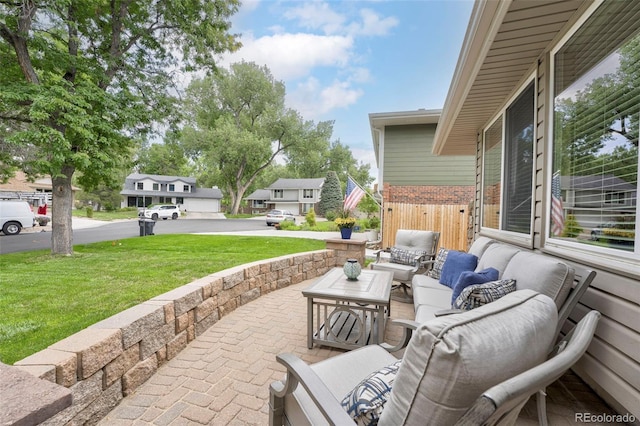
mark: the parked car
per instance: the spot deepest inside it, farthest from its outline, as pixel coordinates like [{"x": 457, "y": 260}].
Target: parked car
[
  {"x": 15, "y": 215},
  {"x": 164, "y": 212},
  {"x": 616, "y": 232},
  {"x": 597, "y": 231},
  {"x": 278, "y": 216}
]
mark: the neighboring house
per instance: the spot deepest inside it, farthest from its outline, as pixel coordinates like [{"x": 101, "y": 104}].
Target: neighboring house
[
  {"x": 37, "y": 192},
  {"x": 259, "y": 201},
  {"x": 296, "y": 195},
  {"x": 142, "y": 190},
  {"x": 545, "y": 89},
  {"x": 419, "y": 189},
  {"x": 597, "y": 199}
]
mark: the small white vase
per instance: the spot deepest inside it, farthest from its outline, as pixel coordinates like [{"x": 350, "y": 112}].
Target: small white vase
[{"x": 352, "y": 269}]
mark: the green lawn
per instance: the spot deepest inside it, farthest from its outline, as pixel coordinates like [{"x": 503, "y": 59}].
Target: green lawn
[{"x": 44, "y": 299}]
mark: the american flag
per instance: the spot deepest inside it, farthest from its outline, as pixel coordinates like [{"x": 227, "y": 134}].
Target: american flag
[
  {"x": 557, "y": 212},
  {"x": 353, "y": 195}
]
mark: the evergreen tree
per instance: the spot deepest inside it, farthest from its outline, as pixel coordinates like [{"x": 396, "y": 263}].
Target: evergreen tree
[{"x": 331, "y": 194}]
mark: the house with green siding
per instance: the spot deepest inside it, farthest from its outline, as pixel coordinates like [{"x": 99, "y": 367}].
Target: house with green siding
[{"x": 420, "y": 190}]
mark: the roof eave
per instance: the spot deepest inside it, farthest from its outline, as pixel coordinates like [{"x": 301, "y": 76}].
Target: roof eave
[{"x": 484, "y": 23}]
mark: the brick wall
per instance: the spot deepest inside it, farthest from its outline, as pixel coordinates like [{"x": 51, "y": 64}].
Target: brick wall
[
  {"x": 424, "y": 194},
  {"x": 109, "y": 360}
]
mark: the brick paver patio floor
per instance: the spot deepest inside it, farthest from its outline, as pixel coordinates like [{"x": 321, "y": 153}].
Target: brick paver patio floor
[{"x": 223, "y": 377}]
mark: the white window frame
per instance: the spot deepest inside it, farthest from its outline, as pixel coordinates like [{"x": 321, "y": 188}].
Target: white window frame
[
  {"x": 504, "y": 235},
  {"x": 604, "y": 257}
]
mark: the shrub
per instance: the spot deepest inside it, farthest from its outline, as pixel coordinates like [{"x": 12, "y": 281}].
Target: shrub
[
  {"x": 330, "y": 215},
  {"x": 571, "y": 227},
  {"x": 89, "y": 212},
  {"x": 288, "y": 224},
  {"x": 374, "y": 223},
  {"x": 310, "y": 218}
]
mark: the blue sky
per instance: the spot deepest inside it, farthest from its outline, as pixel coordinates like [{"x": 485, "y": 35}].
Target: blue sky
[{"x": 341, "y": 60}]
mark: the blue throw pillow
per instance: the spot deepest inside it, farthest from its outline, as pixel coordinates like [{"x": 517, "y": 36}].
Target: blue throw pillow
[
  {"x": 457, "y": 262},
  {"x": 468, "y": 278}
]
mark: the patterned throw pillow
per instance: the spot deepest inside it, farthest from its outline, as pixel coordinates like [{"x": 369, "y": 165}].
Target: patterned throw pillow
[
  {"x": 468, "y": 278},
  {"x": 436, "y": 270},
  {"x": 405, "y": 257},
  {"x": 366, "y": 401},
  {"x": 481, "y": 294}
]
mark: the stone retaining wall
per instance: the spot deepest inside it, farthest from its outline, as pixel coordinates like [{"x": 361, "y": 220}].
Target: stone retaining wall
[{"x": 107, "y": 361}]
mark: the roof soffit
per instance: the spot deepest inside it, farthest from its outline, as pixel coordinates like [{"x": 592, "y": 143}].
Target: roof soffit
[{"x": 503, "y": 43}]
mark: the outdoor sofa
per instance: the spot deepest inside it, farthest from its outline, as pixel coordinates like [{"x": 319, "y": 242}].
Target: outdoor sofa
[
  {"x": 476, "y": 367},
  {"x": 515, "y": 267}
]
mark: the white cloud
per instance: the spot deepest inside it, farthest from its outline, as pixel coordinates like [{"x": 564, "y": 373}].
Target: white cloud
[
  {"x": 372, "y": 24},
  {"x": 320, "y": 64},
  {"x": 312, "y": 100},
  {"x": 317, "y": 16},
  {"x": 290, "y": 56},
  {"x": 339, "y": 95},
  {"x": 320, "y": 16}
]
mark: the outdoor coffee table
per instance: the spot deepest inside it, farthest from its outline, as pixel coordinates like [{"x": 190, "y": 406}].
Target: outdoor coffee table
[{"x": 348, "y": 314}]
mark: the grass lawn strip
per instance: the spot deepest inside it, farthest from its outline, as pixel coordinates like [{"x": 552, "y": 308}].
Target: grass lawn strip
[{"x": 44, "y": 299}]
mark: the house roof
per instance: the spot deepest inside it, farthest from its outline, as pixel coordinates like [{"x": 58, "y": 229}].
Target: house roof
[
  {"x": 503, "y": 42},
  {"x": 206, "y": 193},
  {"x": 161, "y": 178},
  {"x": 606, "y": 182},
  {"x": 297, "y": 183},
  {"x": 259, "y": 194},
  {"x": 130, "y": 187},
  {"x": 379, "y": 120},
  {"x": 20, "y": 183}
]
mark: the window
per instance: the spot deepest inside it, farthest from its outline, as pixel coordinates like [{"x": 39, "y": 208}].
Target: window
[
  {"x": 508, "y": 158},
  {"x": 278, "y": 193},
  {"x": 307, "y": 193},
  {"x": 179, "y": 200},
  {"x": 156, "y": 187},
  {"x": 140, "y": 186},
  {"x": 185, "y": 188},
  {"x": 491, "y": 175},
  {"x": 172, "y": 187},
  {"x": 596, "y": 107}
]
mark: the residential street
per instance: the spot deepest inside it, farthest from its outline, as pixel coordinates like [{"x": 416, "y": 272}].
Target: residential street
[{"x": 91, "y": 231}]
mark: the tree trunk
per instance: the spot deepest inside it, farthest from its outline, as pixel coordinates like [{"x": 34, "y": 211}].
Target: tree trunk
[
  {"x": 235, "y": 206},
  {"x": 62, "y": 202}
]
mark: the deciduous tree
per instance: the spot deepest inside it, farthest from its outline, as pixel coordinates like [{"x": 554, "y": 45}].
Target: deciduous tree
[
  {"x": 84, "y": 77},
  {"x": 240, "y": 125}
]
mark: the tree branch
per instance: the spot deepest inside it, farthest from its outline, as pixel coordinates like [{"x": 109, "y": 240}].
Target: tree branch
[{"x": 18, "y": 39}]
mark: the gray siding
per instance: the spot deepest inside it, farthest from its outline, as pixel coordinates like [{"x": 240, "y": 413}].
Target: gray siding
[
  {"x": 408, "y": 159},
  {"x": 612, "y": 363}
]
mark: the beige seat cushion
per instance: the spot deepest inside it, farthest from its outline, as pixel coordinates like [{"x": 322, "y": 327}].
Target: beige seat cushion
[
  {"x": 402, "y": 273},
  {"x": 552, "y": 277},
  {"x": 340, "y": 374},
  {"x": 452, "y": 359}
]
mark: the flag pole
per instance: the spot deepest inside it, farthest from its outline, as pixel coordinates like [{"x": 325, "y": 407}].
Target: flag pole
[{"x": 365, "y": 191}]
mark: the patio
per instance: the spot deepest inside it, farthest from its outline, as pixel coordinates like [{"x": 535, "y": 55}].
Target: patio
[{"x": 223, "y": 376}]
